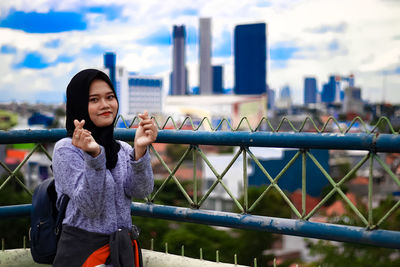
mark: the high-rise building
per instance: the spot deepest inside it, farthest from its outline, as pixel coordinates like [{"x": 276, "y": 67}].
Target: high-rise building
[
  {"x": 205, "y": 72},
  {"x": 110, "y": 64},
  {"x": 179, "y": 73},
  {"x": 250, "y": 50},
  {"x": 328, "y": 93},
  {"x": 218, "y": 80},
  {"x": 310, "y": 90}
]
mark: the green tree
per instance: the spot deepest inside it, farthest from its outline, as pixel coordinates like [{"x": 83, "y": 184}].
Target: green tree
[
  {"x": 7, "y": 119},
  {"x": 176, "y": 151},
  {"x": 196, "y": 236},
  {"x": 360, "y": 255},
  {"x": 13, "y": 229},
  {"x": 272, "y": 204}
]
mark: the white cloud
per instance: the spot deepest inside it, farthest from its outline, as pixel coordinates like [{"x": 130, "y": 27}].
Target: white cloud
[{"x": 366, "y": 45}]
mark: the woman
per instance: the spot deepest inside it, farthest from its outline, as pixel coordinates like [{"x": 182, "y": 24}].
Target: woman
[{"x": 100, "y": 175}]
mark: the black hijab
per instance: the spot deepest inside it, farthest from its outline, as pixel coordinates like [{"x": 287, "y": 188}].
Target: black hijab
[{"x": 77, "y": 109}]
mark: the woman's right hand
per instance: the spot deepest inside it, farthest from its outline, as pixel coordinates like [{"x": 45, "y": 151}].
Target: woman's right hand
[{"x": 84, "y": 140}]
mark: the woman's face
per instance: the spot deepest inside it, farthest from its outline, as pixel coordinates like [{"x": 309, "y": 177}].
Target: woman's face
[{"x": 103, "y": 105}]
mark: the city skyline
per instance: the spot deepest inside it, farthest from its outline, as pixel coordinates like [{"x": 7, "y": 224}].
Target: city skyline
[{"x": 305, "y": 38}]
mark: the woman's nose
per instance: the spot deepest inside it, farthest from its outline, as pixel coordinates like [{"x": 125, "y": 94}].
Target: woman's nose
[{"x": 104, "y": 102}]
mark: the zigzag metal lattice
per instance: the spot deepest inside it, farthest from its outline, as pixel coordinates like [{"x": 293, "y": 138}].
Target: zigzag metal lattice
[{"x": 245, "y": 124}]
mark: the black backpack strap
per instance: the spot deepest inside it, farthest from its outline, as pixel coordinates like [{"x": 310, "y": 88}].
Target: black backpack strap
[{"x": 64, "y": 199}]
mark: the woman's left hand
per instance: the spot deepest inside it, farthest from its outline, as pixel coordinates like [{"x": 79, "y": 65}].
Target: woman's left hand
[{"x": 145, "y": 135}]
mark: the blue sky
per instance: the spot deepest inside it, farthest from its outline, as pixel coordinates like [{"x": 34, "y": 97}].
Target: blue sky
[{"x": 44, "y": 43}]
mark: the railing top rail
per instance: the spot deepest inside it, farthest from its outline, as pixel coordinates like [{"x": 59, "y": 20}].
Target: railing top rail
[{"x": 348, "y": 141}]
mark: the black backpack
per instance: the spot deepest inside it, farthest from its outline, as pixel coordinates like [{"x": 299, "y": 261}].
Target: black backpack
[{"x": 46, "y": 222}]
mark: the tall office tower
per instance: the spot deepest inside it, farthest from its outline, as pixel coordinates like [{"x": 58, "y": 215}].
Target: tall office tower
[
  {"x": 109, "y": 63},
  {"x": 218, "y": 80},
  {"x": 250, "y": 50},
  {"x": 329, "y": 91},
  {"x": 179, "y": 73},
  {"x": 310, "y": 90},
  {"x": 205, "y": 57}
]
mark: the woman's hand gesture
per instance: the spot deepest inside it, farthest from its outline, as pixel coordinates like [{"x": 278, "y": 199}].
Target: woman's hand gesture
[
  {"x": 84, "y": 140},
  {"x": 145, "y": 135}
]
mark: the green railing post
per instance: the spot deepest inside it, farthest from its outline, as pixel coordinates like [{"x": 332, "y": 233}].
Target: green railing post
[
  {"x": 245, "y": 181},
  {"x": 303, "y": 182},
  {"x": 370, "y": 184},
  {"x": 194, "y": 154}
]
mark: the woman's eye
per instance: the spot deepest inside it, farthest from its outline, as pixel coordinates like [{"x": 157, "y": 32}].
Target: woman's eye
[
  {"x": 111, "y": 97},
  {"x": 93, "y": 100}
]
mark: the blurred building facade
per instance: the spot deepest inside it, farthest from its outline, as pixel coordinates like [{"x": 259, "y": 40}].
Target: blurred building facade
[
  {"x": 205, "y": 70},
  {"x": 310, "y": 90},
  {"x": 250, "y": 52},
  {"x": 179, "y": 77}
]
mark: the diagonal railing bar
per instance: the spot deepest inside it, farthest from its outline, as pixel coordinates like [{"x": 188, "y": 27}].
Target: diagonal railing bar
[
  {"x": 12, "y": 176},
  {"x": 334, "y": 190},
  {"x": 390, "y": 212},
  {"x": 45, "y": 152},
  {"x": 274, "y": 182},
  {"x": 13, "y": 173},
  {"x": 219, "y": 178},
  {"x": 370, "y": 180},
  {"x": 387, "y": 169},
  {"x": 172, "y": 175},
  {"x": 394, "y": 177},
  {"x": 303, "y": 182},
  {"x": 338, "y": 189}
]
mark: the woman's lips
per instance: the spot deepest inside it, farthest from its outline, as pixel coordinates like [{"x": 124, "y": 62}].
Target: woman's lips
[{"x": 106, "y": 114}]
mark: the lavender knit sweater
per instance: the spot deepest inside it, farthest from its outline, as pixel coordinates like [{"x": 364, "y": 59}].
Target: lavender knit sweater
[{"x": 99, "y": 198}]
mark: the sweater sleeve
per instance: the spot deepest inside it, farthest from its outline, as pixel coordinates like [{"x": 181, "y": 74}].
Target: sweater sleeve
[
  {"x": 140, "y": 181},
  {"x": 81, "y": 177}
]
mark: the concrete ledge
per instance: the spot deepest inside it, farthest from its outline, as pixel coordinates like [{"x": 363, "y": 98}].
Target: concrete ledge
[{"x": 22, "y": 258}]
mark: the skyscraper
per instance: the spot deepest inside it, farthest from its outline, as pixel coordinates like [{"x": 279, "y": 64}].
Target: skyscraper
[
  {"x": 179, "y": 73},
  {"x": 218, "y": 80},
  {"x": 310, "y": 90},
  {"x": 250, "y": 49},
  {"x": 205, "y": 56},
  {"x": 109, "y": 63},
  {"x": 329, "y": 91}
]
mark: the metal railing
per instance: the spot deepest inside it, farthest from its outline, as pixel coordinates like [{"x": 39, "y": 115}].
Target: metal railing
[{"x": 370, "y": 140}]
